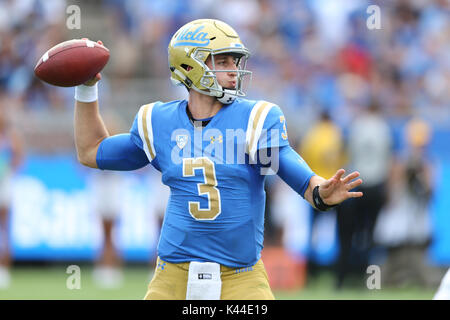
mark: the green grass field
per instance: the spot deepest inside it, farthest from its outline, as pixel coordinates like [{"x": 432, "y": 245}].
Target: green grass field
[
  {"x": 50, "y": 283},
  {"x": 322, "y": 288}
]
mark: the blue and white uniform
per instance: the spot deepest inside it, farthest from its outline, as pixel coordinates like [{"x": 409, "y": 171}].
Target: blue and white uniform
[{"x": 217, "y": 199}]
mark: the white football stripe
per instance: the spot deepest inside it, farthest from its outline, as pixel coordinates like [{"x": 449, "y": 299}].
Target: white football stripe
[
  {"x": 90, "y": 43},
  {"x": 258, "y": 131},
  {"x": 45, "y": 57},
  {"x": 147, "y": 144},
  {"x": 150, "y": 128}
]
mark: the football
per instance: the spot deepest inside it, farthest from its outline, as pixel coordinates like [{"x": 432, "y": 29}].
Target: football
[{"x": 72, "y": 62}]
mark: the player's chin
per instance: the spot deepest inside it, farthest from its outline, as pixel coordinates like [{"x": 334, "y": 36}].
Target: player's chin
[{"x": 230, "y": 86}]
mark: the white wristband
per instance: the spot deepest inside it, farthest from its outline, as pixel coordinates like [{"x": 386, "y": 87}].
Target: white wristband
[{"x": 86, "y": 93}]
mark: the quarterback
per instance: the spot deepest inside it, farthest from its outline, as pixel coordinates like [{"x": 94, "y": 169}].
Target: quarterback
[{"x": 213, "y": 151}]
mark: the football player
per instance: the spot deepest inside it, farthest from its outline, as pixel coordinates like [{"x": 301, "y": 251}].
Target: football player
[{"x": 213, "y": 151}]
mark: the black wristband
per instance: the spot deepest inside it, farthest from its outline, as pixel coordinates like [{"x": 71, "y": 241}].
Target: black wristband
[{"x": 318, "y": 202}]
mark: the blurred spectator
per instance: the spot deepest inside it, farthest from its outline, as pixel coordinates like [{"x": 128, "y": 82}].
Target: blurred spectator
[
  {"x": 322, "y": 149},
  {"x": 107, "y": 191},
  {"x": 107, "y": 194},
  {"x": 369, "y": 148},
  {"x": 404, "y": 227},
  {"x": 29, "y": 28},
  {"x": 10, "y": 159},
  {"x": 310, "y": 54},
  {"x": 305, "y": 53}
]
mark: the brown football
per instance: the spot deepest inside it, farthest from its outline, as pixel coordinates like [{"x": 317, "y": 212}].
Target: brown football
[{"x": 72, "y": 62}]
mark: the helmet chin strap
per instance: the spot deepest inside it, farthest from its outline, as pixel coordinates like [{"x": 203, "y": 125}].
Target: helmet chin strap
[{"x": 227, "y": 96}]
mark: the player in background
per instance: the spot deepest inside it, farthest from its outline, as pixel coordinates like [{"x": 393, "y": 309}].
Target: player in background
[
  {"x": 322, "y": 148},
  {"x": 107, "y": 198},
  {"x": 212, "y": 234},
  {"x": 404, "y": 227},
  {"x": 106, "y": 189},
  {"x": 10, "y": 159},
  {"x": 369, "y": 148}
]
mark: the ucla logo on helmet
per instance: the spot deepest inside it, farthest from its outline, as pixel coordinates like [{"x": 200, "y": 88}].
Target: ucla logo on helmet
[{"x": 192, "y": 38}]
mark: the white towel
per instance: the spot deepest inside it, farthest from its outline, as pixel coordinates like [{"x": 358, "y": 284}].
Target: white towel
[{"x": 204, "y": 281}]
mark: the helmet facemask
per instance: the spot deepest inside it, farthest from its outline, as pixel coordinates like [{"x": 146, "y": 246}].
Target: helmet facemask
[{"x": 209, "y": 78}]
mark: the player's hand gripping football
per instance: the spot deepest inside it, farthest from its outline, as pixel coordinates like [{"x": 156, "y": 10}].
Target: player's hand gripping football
[
  {"x": 98, "y": 76},
  {"x": 337, "y": 189}
]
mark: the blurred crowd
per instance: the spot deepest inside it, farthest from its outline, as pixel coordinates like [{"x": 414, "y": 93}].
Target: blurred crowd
[
  {"x": 307, "y": 55},
  {"x": 316, "y": 59}
]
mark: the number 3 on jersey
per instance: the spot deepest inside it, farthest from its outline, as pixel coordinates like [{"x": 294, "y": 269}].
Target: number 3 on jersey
[{"x": 208, "y": 188}]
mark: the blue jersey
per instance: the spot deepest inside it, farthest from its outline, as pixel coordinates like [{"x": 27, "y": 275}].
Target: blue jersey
[{"x": 217, "y": 200}]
